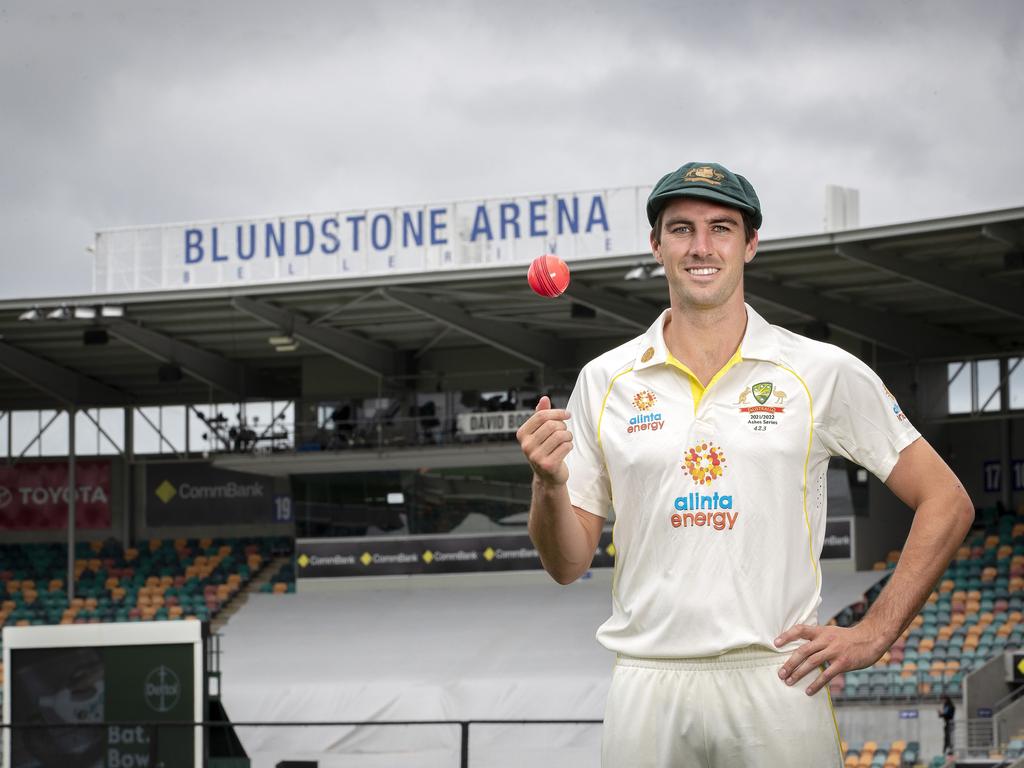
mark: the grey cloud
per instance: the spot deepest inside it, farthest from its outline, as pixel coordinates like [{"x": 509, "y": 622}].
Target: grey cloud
[{"x": 122, "y": 113}]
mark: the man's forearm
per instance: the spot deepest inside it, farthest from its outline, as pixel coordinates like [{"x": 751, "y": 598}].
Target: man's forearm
[
  {"x": 557, "y": 533},
  {"x": 937, "y": 532}
]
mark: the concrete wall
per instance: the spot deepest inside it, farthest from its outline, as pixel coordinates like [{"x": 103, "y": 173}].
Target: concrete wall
[{"x": 972, "y": 444}]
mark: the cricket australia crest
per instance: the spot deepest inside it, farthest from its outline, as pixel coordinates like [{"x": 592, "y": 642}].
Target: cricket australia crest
[{"x": 762, "y": 416}]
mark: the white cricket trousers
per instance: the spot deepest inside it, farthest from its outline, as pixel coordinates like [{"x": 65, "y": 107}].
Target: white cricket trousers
[{"x": 728, "y": 711}]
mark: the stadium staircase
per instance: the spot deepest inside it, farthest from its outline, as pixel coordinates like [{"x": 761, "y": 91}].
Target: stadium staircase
[{"x": 266, "y": 577}]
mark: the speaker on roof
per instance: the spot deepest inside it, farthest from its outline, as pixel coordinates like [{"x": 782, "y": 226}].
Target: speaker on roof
[
  {"x": 581, "y": 311},
  {"x": 93, "y": 337},
  {"x": 169, "y": 373}
]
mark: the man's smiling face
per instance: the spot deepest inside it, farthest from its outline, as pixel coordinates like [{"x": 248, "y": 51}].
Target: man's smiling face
[{"x": 703, "y": 248}]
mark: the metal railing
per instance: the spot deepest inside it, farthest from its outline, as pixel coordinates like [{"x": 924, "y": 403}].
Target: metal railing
[
  {"x": 377, "y": 433},
  {"x": 147, "y": 736}
]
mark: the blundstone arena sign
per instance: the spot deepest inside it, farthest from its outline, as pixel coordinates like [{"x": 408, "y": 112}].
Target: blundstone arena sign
[{"x": 382, "y": 241}]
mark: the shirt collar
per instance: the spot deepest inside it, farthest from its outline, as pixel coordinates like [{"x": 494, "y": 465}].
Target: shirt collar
[{"x": 759, "y": 342}]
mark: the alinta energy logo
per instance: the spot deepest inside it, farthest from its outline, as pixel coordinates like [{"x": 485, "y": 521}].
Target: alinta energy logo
[
  {"x": 896, "y": 410},
  {"x": 644, "y": 401},
  {"x": 705, "y": 464}
]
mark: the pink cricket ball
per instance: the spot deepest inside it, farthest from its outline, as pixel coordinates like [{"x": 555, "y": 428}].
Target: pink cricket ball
[{"x": 548, "y": 276}]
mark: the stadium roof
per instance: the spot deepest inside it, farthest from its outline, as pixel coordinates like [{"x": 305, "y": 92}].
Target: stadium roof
[{"x": 942, "y": 289}]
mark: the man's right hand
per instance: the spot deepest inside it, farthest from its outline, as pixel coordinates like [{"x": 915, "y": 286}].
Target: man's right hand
[{"x": 546, "y": 441}]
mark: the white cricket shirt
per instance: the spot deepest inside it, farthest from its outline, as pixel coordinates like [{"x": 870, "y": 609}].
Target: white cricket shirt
[{"x": 719, "y": 493}]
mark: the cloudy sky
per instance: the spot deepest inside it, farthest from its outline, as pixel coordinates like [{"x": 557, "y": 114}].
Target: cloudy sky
[{"x": 127, "y": 113}]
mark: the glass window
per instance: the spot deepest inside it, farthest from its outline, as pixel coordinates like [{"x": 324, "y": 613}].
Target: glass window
[
  {"x": 112, "y": 421},
  {"x": 5, "y": 420},
  {"x": 87, "y": 436},
  {"x": 54, "y": 439},
  {"x": 25, "y": 430},
  {"x": 990, "y": 398},
  {"x": 146, "y": 425},
  {"x": 958, "y": 376},
  {"x": 1015, "y": 384},
  {"x": 172, "y": 425},
  {"x": 284, "y": 425},
  {"x": 198, "y": 432}
]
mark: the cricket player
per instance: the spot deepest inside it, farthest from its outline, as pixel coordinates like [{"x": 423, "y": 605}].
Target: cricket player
[{"x": 710, "y": 434}]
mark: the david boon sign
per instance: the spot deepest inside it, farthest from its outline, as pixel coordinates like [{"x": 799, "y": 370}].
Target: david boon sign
[{"x": 34, "y": 496}]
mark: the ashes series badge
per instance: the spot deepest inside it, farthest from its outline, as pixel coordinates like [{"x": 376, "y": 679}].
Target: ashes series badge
[{"x": 760, "y": 414}]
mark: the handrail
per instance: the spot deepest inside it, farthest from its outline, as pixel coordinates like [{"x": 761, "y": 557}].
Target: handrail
[{"x": 156, "y": 725}]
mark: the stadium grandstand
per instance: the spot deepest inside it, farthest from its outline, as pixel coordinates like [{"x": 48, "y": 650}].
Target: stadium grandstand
[{"x": 310, "y": 454}]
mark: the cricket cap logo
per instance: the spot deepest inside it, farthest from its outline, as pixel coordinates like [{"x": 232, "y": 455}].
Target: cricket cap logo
[
  {"x": 705, "y": 463},
  {"x": 762, "y": 391},
  {"x": 706, "y": 174}
]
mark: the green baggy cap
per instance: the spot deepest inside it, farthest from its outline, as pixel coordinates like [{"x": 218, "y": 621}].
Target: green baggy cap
[{"x": 710, "y": 181}]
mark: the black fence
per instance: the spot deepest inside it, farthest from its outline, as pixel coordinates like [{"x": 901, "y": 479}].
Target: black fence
[{"x": 171, "y": 744}]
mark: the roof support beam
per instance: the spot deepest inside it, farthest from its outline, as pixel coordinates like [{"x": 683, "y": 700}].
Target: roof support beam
[
  {"x": 635, "y": 314},
  {"x": 1003, "y": 232},
  {"x": 358, "y": 352},
  {"x": 534, "y": 348},
  {"x": 199, "y": 363},
  {"x": 962, "y": 284},
  {"x": 62, "y": 384},
  {"x": 906, "y": 335}
]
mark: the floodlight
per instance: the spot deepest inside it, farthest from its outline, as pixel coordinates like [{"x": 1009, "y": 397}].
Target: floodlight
[
  {"x": 287, "y": 347},
  {"x": 111, "y": 311},
  {"x": 31, "y": 315},
  {"x": 84, "y": 313},
  {"x": 278, "y": 341},
  {"x": 60, "y": 313}
]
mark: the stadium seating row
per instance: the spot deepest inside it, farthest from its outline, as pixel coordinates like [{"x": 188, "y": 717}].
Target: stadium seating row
[
  {"x": 976, "y": 612},
  {"x": 161, "y": 580},
  {"x": 872, "y": 754}
]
